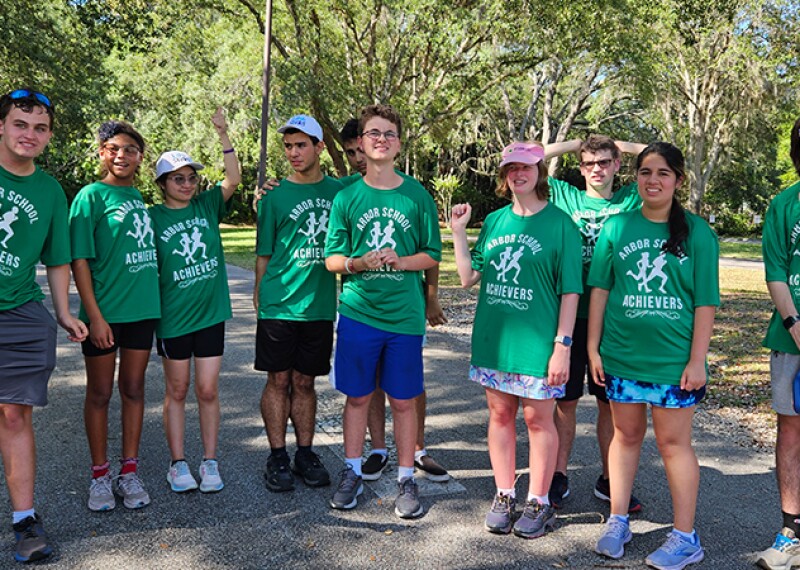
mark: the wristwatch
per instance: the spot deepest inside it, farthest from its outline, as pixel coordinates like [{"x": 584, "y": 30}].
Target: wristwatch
[
  {"x": 567, "y": 340},
  {"x": 789, "y": 322}
]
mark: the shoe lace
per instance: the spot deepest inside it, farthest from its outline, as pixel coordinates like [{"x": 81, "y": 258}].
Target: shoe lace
[
  {"x": 131, "y": 484},
  {"x": 784, "y": 543},
  {"x": 501, "y": 504},
  {"x": 673, "y": 544},
  {"x": 349, "y": 480},
  {"x": 101, "y": 485},
  {"x": 210, "y": 468},
  {"x": 616, "y": 528},
  {"x": 182, "y": 469},
  {"x": 29, "y": 530},
  {"x": 408, "y": 486}
]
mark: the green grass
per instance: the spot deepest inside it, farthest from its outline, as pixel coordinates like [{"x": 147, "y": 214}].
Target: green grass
[
  {"x": 741, "y": 250},
  {"x": 239, "y": 243}
]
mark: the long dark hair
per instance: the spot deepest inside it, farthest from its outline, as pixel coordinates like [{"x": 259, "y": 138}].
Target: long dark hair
[
  {"x": 678, "y": 226},
  {"x": 794, "y": 151}
]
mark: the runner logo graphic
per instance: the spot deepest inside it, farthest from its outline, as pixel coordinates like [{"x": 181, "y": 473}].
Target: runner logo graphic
[
  {"x": 190, "y": 246},
  {"x": 648, "y": 272},
  {"x": 592, "y": 228},
  {"x": 382, "y": 237},
  {"x": 143, "y": 228},
  {"x": 508, "y": 261},
  {"x": 7, "y": 219},
  {"x": 315, "y": 227}
]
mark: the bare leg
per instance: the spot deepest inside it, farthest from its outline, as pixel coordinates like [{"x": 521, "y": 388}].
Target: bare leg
[
  {"x": 421, "y": 403},
  {"x": 565, "y": 418},
  {"x": 99, "y": 387},
  {"x": 303, "y": 410},
  {"x": 674, "y": 437},
  {"x": 177, "y": 377},
  {"x": 605, "y": 432},
  {"x": 275, "y": 405},
  {"x": 543, "y": 442},
  {"x": 18, "y": 448},
  {"x": 630, "y": 426},
  {"x": 404, "y": 414},
  {"x": 376, "y": 420},
  {"x": 206, "y": 387},
  {"x": 502, "y": 437},
  {"x": 132, "y": 366},
  {"x": 355, "y": 425}
]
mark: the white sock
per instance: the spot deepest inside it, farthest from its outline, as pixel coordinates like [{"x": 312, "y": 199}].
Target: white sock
[
  {"x": 541, "y": 499},
  {"x": 623, "y": 518},
  {"x": 380, "y": 451},
  {"x": 403, "y": 472},
  {"x": 507, "y": 492},
  {"x": 689, "y": 536},
  {"x": 20, "y": 516},
  {"x": 355, "y": 463},
  {"x": 420, "y": 453}
]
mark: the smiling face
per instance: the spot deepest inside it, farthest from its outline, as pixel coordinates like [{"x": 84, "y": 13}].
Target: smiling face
[
  {"x": 301, "y": 152},
  {"x": 380, "y": 148},
  {"x": 23, "y": 136},
  {"x": 598, "y": 169},
  {"x": 522, "y": 178},
  {"x": 657, "y": 183},
  {"x": 120, "y": 157},
  {"x": 180, "y": 187}
]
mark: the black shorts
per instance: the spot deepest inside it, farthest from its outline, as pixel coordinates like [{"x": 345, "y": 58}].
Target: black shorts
[
  {"x": 204, "y": 343},
  {"x": 27, "y": 354},
  {"x": 135, "y": 336},
  {"x": 294, "y": 345},
  {"x": 579, "y": 367}
]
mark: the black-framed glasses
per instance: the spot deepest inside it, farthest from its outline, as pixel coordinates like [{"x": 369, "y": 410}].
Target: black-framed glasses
[
  {"x": 22, "y": 93},
  {"x": 180, "y": 179},
  {"x": 603, "y": 163},
  {"x": 375, "y": 135},
  {"x": 129, "y": 151}
]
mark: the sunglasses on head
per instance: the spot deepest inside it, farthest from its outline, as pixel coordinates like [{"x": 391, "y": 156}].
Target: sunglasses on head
[{"x": 22, "y": 93}]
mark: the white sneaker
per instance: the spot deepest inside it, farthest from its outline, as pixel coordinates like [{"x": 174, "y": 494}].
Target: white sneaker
[
  {"x": 101, "y": 497},
  {"x": 179, "y": 477},
  {"x": 210, "y": 481},
  {"x": 132, "y": 491}
]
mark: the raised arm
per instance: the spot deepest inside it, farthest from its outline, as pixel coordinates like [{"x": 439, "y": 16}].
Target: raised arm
[
  {"x": 554, "y": 150},
  {"x": 459, "y": 218},
  {"x": 233, "y": 171},
  {"x": 633, "y": 148}
]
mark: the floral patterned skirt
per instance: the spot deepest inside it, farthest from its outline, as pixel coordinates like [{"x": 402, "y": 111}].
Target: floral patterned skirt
[{"x": 522, "y": 385}]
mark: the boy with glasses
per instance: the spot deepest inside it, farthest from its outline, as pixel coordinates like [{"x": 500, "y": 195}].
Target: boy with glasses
[
  {"x": 589, "y": 209},
  {"x": 296, "y": 302},
  {"x": 384, "y": 230},
  {"x": 33, "y": 209}
]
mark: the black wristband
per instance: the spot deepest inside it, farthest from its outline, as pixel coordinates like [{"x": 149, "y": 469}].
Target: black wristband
[{"x": 789, "y": 322}]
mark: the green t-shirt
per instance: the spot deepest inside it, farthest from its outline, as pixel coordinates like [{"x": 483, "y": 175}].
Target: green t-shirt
[
  {"x": 589, "y": 214},
  {"x": 33, "y": 227},
  {"x": 191, "y": 265},
  {"x": 526, "y": 264},
  {"x": 780, "y": 242},
  {"x": 365, "y": 219},
  {"x": 649, "y": 318},
  {"x": 351, "y": 179},
  {"x": 292, "y": 225},
  {"x": 110, "y": 227}
]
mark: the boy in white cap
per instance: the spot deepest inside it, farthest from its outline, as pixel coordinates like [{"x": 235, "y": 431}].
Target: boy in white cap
[{"x": 295, "y": 297}]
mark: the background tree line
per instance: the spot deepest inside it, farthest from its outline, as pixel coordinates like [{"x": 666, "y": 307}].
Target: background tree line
[{"x": 719, "y": 78}]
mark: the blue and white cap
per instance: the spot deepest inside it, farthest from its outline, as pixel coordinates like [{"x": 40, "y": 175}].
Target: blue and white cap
[
  {"x": 303, "y": 123},
  {"x": 173, "y": 160}
]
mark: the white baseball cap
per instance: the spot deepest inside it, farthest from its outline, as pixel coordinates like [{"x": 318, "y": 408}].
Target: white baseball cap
[
  {"x": 173, "y": 160},
  {"x": 303, "y": 123}
]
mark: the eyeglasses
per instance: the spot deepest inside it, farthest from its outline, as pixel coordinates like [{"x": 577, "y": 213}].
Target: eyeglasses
[
  {"x": 22, "y": 93},
  {"x": 129, "y": 151},
  {"x": 180, "y": 179},
  {"x": 604, "y": 163},
  {"x": 375, "y": 135}
]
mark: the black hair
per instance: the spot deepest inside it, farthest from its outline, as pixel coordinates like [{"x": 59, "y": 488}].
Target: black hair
[
  {"x": 292, "y": 131},
  {"x": 678, "y": 226},
  {"x": 26, "y": 104},
  {"x": 349, "y": 131},
  {"x": 794, "y": 147},
  {"x": 110, "y": 129}
]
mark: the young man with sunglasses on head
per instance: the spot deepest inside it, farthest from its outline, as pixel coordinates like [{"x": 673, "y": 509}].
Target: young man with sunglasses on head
[
  {"x": 384, "y": 231},
  {"x": 599, "y": 163},
  {"x": 33, "y": 225},
  {"x": 295, "y": 297}
]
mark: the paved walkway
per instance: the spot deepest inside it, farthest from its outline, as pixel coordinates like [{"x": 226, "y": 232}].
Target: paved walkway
[{"x": 246, "y": 526}]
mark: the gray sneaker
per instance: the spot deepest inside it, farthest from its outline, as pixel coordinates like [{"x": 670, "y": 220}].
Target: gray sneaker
[
  {"x": 501, "y": 515},
  {"x": 32, "y": 542},
  {"x": 132, "y": 491},
  {"x": 536, "y": 520},
  {"x": 616, "y": 535},
  {"x": 783, "y": 554},
  {"x": 101, "y": 497},
  {"x": 350, "y": 487},
  {"x": 407, "y": 505}
]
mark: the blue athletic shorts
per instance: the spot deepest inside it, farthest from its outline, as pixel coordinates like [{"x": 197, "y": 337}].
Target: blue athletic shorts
[{"x": 360, "y": 349}]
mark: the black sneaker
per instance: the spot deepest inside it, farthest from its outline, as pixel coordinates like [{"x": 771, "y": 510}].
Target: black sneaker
[
  {"x": 350, "y": 487},
  {"x": 602, "y": 491},
  {"x": 559, "y": 490},
  {"x": 372, "y": 468},
  {"x": 407, "y": 505},
  {"x": 278, "y": 474},
  {"x": 431, "y": 470},
  {"x": 32, "y": 543},
  {"x": 308, "y": 467}
]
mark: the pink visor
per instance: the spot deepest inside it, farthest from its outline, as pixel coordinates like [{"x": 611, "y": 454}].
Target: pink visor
[{"x": 523, "y": 153}]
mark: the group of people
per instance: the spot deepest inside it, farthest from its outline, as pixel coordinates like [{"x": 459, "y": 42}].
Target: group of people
[{"x": 621, "y": 283}]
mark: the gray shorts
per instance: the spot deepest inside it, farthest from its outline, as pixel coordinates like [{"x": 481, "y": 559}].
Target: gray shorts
[
  {"x": 27, "y": 354},
  {"x": 782, "y": 369}
]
